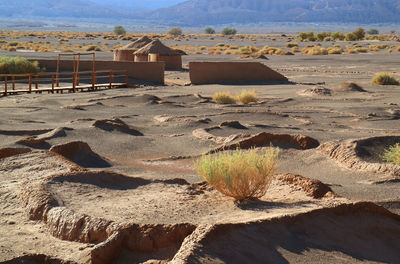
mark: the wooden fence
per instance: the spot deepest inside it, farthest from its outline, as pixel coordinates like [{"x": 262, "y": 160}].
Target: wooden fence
[{"x": 63, "y": 81}]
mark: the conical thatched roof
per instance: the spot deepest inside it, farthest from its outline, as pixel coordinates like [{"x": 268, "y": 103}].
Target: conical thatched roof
[
  {"x": 156, "y": 47},
  {"x": 140, "y": 43}
]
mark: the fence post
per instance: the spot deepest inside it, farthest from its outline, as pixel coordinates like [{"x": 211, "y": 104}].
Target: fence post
[
  {"x": 5, "y": 85},
  {"x": 36, "y": 82},
  {"x": 13, "y": 82},
  {"x": 30, "y": 83},
  {"x": 93, "y": 80},
  {"x": 52, "y": 83},
  {"x": 73, "y": 81},
  {"x": 111, "y": 79}
]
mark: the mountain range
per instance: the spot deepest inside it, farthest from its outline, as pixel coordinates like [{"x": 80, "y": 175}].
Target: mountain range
[{"x": 209, "y": 12}]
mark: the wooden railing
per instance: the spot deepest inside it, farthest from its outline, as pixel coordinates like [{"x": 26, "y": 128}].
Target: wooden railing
[{"x": 63, "y": 81}]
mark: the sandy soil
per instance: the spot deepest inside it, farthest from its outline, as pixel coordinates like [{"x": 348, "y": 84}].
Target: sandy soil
[{"x": 144, "y": 139}]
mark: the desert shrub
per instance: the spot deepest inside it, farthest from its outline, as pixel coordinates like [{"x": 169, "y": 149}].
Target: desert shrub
[
  {"x": 359, "y": 33},
  {"x": 322, "y": 36},
  {"x": 229, "y": 31},
  {"x": 302, "y": 36},
  {"x": 335, "y": 50},
  {"x": 392, "y": 154},
  {"x": 223, "y": 98},
  {"x": 246, "y": 97},
  {"x": 384, "y": 79},
  {"x": 292, "y": 45},
  {"x": 361, "y": 50},
  {"x": 176, "y": 32},
  {"x": 316, "y": 51},
  {"x": 119, "y": 30},
  {"x": 337, "y": 35},
  {"x": 239, "y": 174},
  {"x": 209, "y": 30},
  {"x": 373, "y": 31},
  {"x": 398, "y": 49},
  {"x": 91, "y": 48},
  {"x": 350, "y": 37},
  {"x": 17, "y": 65}
]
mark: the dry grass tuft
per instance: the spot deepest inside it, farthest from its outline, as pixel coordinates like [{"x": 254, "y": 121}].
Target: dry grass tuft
[
  {"x": 239, "y": 174},
  {"x": 384, "y": 79},
  {"x": 392, "y": 155},
  {"x": 223, "y": 98},
  {"x": 246, "y": 97}
]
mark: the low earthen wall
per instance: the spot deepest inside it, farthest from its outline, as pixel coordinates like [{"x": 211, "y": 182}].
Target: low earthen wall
[
  {"x": 232, "y": 72},
  {"x": 144, "y": 71}
]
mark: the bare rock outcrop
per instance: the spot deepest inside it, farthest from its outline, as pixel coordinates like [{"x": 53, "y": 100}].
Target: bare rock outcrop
[{"x": 316, "y": 91}]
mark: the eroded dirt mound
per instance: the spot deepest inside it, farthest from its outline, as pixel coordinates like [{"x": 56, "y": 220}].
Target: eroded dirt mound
[
  {"x": 355, "y": 233},
  {"x": 363, "y": 154},
  {"x": 266, "y": 139},
  {"x": 36, "y": 259},
  {"x": 9, "y": 152},
  {"x": 116, "y": 124},
  {"x": 318, "y": 90},
  {"x": 348, "y": 87},
  {"x": 34, "y": 143},
  {"x": 314, "y": 188},
  {"x": 80, "y": 153}
]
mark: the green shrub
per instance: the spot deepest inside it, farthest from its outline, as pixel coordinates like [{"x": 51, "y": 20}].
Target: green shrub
[
  {"x": 350, "y": 37},
  {"x": 392, "y": 155},
  {"x": 246, "y": 97},
  {"x": 359, "y": 33},
  {"x": 119, "y": 30},
  {"x": 384, "y": 79},
  {"x": 17, "y": 65},
  {"x": 373, "y": 31},
  {"x": 176, "y": 32},
  {"x": 337, "y": 35},
  {"x": 239, "y": 174},
  {"x": 209, "y": 30},
  {"x": 223, "y": 98},
  {"x": 229, "y": 31}
]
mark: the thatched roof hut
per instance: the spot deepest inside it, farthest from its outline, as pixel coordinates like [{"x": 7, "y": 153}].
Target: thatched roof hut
[
  {"x": 157, "y": 51},
  {"x": 126, "y": 52}
]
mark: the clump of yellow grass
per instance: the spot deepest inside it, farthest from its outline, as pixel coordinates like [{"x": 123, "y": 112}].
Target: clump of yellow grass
[{"x": 239, "y": 174}]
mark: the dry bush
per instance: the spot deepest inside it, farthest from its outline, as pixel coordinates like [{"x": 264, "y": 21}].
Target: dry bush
[
  {"x": 384, "y": 79},
  {"x": 239, "y": 174},
  {"x": 398, "y": 49},
  {"x": 292, "y": 45},
  {"x": 316, "y": 51},
  {"x": 17, "y": 65},
  {"x": 361, "y": 50},
  {"x": 392, "y": 154},
  {"x": 335, "y": 50},
  {"x": 246, "y": 97},
  {"x": 223, "y": 98},
  {"x": 91, "y": 48}
]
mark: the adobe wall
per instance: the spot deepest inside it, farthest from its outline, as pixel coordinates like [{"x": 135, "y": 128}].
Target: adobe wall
[
  {"x": 124, "y": 55},
  {"x": 144, "y": 71},
  {"x": 231, "y": 72},
  {"x": 171, "y": 62}
]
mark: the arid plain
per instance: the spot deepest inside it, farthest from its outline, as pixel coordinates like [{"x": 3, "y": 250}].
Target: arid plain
[{"x": 108, "y": 176}]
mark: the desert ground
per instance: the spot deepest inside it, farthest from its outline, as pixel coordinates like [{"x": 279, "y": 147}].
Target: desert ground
[{"x": 108, "y": 176}]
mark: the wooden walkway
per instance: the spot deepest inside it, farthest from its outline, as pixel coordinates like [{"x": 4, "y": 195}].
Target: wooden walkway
[{"x": 70, "y": 82}]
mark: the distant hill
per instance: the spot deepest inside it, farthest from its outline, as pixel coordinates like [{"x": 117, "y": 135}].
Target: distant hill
[
  {"x": 210, "y": 12},
  {"x": 53, "y": 8}
]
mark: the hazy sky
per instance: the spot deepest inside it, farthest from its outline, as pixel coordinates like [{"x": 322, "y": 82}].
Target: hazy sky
[{"x": 144, "y": 3}]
